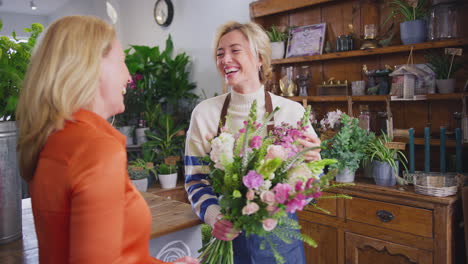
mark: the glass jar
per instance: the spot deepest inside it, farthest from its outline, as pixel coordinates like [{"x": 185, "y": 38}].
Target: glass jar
[
  {"x": 364, "y": 118},
  {"x": 445, "y": 21}
]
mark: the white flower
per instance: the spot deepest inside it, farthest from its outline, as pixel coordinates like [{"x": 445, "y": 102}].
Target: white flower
[
  {"x": 333, "y": 118},
  {"x": 265, "y": 186},
  {"x": 222, "y": 150}
]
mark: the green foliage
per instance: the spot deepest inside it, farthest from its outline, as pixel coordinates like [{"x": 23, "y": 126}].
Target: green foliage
[
  {"x": 347, "y": 146},
  {"x": 165, "y": 137},
  {"x": 166, "y": 169},
  {"x": 275, "y": 35},
  {"x": 140, "y": 169},
  {"x": 440, "y": 64},
  {"x": 14, "y": 60},
  {"x": 377, "y": 150},
  {"x": 206, "y": 233},
  {"x": 159, "y": 78},
  {"x": 406, "y": 12}
]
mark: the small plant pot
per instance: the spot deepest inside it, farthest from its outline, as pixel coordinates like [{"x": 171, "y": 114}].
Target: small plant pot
[
  {"x": 383, "y": 173},
  {"x": 414, "y": 31},
  {"x": 141, "y": 184},
  {"x": 277, "y": 50},
  {"x": 127, "y": 131},
  {"x": 446, "y": 86},
  {"x": 345, "y": 175},
  {"x": 168, "y": 181},
  {"x": 140, "y": 135}
]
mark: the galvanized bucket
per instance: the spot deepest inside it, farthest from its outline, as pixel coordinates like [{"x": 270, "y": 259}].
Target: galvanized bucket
[{"x": 10, "y": 185}]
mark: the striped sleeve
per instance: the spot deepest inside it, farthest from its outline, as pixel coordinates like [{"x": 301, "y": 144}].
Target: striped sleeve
[{"x": 201, "y": 196}]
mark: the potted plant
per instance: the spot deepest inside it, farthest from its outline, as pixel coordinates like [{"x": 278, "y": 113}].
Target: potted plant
[
  {"x": 277, "y": 41},
  {"x": 444, "y": 69},
  {"x": 384, "y": 161},
  {"x": 348, "y": 147},
  {"x": 413, "y": 27},
  {"x": 167, "y": 175},
  {"x": 139, "y": 171}
]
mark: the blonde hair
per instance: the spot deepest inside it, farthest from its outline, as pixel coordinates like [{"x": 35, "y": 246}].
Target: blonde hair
[
  {"x": 62, "y": 77},
  {"x": 259, "y": 44}
]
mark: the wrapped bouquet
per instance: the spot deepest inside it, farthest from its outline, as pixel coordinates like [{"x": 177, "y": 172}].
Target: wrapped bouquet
[{"x": 261, "y": 179}]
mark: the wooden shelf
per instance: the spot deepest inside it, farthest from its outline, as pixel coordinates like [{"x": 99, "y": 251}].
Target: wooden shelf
[
  {"x": 375, "y": 98},
  {"x": 451, "y": 96},
  {"x": 433, "y": 141},
  {"x": 269, "y": 7},
  {"x": 377, "y": 51}
]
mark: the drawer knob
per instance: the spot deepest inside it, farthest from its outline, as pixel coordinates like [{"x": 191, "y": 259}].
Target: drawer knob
[{"x": 385, "y": 216}]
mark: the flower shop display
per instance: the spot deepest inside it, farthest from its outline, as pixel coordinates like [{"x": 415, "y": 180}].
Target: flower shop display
[
  {"x": 261, "y": 179},
  {"x": 347, "y": 146}
]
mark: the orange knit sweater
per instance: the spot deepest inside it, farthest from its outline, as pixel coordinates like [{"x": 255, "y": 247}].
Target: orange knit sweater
[{"x": 85, "y": 208}]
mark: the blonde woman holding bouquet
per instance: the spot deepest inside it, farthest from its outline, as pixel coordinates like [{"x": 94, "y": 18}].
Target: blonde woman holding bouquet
[
  {"x": 85, "y": 208},
  {"x": 242, "y": 54}
]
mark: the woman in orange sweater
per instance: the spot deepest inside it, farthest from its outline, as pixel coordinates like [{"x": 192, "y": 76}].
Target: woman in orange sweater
[{"x": 85, "y": 208}]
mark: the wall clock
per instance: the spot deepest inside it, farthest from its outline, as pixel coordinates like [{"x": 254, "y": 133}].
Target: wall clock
[{"x": 163, "y": 12}]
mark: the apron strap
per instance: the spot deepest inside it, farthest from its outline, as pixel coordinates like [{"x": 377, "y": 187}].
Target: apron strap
[{"x": 268, "y": 109}]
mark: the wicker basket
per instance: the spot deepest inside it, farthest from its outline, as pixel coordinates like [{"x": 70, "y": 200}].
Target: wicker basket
[
  {"x": 436, "y": 184},
  {"x": 327, "y": 134}
]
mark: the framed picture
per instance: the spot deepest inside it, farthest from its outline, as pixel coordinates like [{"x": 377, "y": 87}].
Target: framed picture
[{"x": 306, "y": 40}]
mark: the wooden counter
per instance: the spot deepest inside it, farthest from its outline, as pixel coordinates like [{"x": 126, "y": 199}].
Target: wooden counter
[{"x": 168, "y": 216}]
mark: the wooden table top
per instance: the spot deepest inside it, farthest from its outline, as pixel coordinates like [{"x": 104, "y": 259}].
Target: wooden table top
[{"x": 168, "y": 216}]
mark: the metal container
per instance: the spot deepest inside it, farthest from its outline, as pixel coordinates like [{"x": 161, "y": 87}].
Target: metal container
[{"x": 10, "y": 185}]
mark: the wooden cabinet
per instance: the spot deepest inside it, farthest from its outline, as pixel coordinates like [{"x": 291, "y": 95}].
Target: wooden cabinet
[
  {"x": 435, "y": 110},
  {"x": 384, "y": 225}
]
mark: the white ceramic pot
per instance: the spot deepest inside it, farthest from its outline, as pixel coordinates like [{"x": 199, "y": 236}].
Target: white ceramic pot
[
  {"x": 277, "y": 50},
  {"x": 446, "y": 86},
  {"x": 140, "y": 135},
  {"x": 141, "y": 184},
  {"x": 127, "y": 131},
  {"x": 168, "y": 181},
  {"x": 345, "y": 175}
]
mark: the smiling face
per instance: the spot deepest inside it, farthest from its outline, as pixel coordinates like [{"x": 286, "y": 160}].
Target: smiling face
[
  {"x": 236, "y": 62},
  {"x": 113, "y": 80}
]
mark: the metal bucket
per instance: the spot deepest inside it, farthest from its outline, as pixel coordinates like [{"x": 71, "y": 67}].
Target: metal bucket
[{"x": 10, "y": 185}]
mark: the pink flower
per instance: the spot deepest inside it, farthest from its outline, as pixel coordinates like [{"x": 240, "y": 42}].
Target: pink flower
[
  {"x": 250, "y": 195},
  {"x": 299, "y": 187},
  {"x": 256, "y": 142},
  {"x": 250, "y": 208},
  {"x": 297, "y": 203},
  {"x": 269, "y": 224},
  {"x": 138, "y": 77},
  {"x": 268, "y": 197},
  {"x": 309, "y": 183},
  {"x": 242, "y": 130},
  {"x": 252, "y": 180},
  {"x": 316, "y": 194},
  {"x": 276, "y": 151},
  {"x": 282, "y": 192}
]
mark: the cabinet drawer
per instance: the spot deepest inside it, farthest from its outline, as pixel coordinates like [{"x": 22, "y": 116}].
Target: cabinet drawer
[
  {"x": 328, "y": 204},
  {"x": 391, "y": 216}
]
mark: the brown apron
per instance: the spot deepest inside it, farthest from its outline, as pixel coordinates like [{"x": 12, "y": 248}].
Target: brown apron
[{"x": 268, "y": 109}]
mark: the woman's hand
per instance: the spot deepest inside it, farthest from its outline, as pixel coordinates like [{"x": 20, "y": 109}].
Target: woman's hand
[
  {"x": 223, "y": 230},
  {"x": 186, "y": 260},
  {"x": 308, "y": 142}
]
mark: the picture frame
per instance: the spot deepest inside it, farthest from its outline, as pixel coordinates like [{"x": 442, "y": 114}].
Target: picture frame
[{"x": 306, "y": 40}]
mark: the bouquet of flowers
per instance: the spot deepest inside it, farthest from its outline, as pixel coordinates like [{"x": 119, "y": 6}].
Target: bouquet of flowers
[{"x": 259, "y": 180}]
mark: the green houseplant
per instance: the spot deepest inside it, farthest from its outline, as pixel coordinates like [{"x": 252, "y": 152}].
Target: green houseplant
[
  {"x": 444, "y": 70},
  {"x": 348, "y": 147},
  {"x": 14, "y": 60},
  {"x": 384, "y": 160},
  {"x": 167, "y": 175},
  {"x": 139, "y": 171},
  {"x": 159, "y": 77},
  {"x": 412, "y": 13},
  {"x": 277, "y": 41}
]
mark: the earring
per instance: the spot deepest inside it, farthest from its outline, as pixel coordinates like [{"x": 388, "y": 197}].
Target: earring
[{"x": 124, "y": 90}]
